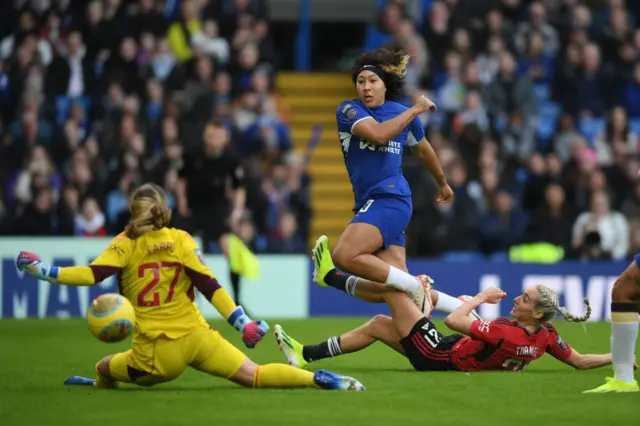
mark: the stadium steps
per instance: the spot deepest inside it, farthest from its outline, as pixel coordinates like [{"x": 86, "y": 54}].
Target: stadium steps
[{"x": 312, "y": 99}]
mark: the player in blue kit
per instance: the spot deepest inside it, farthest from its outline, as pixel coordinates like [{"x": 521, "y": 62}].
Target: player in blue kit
[{"x": 373, "y": 131}]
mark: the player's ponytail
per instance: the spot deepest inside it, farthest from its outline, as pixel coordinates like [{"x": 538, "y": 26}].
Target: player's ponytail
[
  {"x": 393, "y": 63},
  {"x": 548, "y": 305},
  {"x": 148, "y": 207}
]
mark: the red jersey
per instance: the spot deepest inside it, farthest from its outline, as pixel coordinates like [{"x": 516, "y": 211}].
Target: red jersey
[{"x": 505, "y": 345}]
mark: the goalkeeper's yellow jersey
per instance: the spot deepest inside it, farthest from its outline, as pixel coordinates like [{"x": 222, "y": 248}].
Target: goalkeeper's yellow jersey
[{"x": 155, "y": 273}]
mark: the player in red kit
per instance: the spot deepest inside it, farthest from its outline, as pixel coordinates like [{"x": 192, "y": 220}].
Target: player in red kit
[{"x": 501, "y": 344}]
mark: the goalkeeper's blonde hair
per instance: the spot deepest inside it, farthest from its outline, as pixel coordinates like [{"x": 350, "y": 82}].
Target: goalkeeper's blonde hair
[
  {"x": 148, "y": 207},
  {"x": 548, "y": 305}
]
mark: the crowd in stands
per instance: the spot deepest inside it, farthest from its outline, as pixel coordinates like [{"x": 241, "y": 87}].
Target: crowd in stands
[
  {"x": 98, "y": 96},
  {"x": 538, "y": 124},
  {"x": 537, "y": 129}
]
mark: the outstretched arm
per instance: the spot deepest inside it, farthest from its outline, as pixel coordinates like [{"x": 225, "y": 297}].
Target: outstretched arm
[
  {"x": 110, "y": 261},
  {"x": 588, "y": 361}
]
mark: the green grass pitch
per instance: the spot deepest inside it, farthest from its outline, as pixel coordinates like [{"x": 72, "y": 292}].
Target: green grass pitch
[{"x": 36, "y": 356}]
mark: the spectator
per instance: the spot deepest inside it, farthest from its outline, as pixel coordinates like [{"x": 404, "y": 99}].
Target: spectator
[
  {"x": 285, "y": 239},
  {"x": 436, "y": 33},
  {"x": 616, "y": 134},
  {"x": 90, "y": 222},
  {"x": 631, "y": 94},
  {"x": 600, "y": 226},
  {"x": 503, "y": 226},
  {"x": 538, "y": 22},
  {"x": 37, "y": 217},
  {"x": 509, "y": 93},
  {"x": 552, "y": 220},
  {"x": 72, "y": 72},
  {"x": 181, "y": 32},
  {"x": 589, "y": 86},
  {"x": 535, "y": 63},
  {"x": 209, "y": 42}
]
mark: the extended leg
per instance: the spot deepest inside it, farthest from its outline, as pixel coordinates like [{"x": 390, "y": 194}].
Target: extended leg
[
  {"x": 378, "y": 329},
  {"x": 624, "y": 331}
]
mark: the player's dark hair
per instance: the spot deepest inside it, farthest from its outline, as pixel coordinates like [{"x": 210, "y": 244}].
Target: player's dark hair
[
  {"x": 148, "y": 207},
  {"x": 392, "y": 62}
]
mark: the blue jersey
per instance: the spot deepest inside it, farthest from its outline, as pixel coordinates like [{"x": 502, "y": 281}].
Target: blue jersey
[{"x": 375, "y": 170}]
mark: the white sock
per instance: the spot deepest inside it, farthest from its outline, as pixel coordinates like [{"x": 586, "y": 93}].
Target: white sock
[
  {"x": 447, "y": 303},
  {"x": 623, "y": 344},
  {"x": 402, "y": 280}
]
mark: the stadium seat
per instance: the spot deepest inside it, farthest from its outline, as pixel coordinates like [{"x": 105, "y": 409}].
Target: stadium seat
[
  {"x": 544, "y": 130},
  {"x": 549, "y": 109},
  {"x": 462, "y": 256},
  {"x": 374, "y": 39},
  {"x": 64, "y": 103},
  {"x": 591, "y": 127},
  {"x": 542, "y": 91}
]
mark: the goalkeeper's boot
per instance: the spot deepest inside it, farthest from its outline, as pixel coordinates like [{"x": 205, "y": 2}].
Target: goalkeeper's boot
[
  {"x": 332, "y": 381},
  {"x": 79, "y": 381},
  {"x": 322, "y": 261},
  {"x": 614, "y": 385},
  {"x": 291, "y": 348}
]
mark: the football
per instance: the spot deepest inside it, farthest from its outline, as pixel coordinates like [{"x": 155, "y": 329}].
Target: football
[
  {"x": 473, "y": 313},
  {"x": 111, "y": 317}
]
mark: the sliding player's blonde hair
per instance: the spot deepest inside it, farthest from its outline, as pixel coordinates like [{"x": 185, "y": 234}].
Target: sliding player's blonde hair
[
  {"x": 148, "y": 207},
  {"x": 548, "y": 305},
  {"x": 394, "y": 64}
]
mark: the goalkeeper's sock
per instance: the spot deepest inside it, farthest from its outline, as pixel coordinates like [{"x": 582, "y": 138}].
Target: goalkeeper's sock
[
  {"x": 329, "y": 348},
  {"x": 282, "y": 376},
  {"x": 624, "y": 332},
  {"x": 341, "y": 281}
]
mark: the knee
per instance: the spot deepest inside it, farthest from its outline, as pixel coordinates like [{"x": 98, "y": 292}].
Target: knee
[
  {"x": 102, "y": 368},
  {"x": 246, "y": 375},
  {"x": 379, "y": 321}
]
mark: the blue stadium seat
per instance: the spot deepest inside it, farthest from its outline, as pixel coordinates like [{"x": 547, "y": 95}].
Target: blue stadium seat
[
  {"x": 544, "y": 130},
  {"x": 374, "y": 39},
  {"x": 461, "y": 256},
  {"x": 549, "y": 109},
  {"x": 542, "y": 91},
  {"x": 521, "y": 175},
  {"x": 64, "y": 103},
  {"x": 591, "y": 127}
]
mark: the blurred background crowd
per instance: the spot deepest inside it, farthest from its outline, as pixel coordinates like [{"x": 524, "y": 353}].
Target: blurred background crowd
[
  {"x": 538, "y": 125},
  {"x": 537, "y": 128},
  {"x": 98, "y": 96}
]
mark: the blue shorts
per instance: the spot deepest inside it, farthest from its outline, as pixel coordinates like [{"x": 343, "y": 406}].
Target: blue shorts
[{"x": 391, "y": 215}]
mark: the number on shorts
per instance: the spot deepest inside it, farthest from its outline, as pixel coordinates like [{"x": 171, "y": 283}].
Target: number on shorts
[
  {"x": 515, "y": 364},
  {"x": 154, "y": 267},
  {"x": 431, "y": 336},
  {"x": 366, "y": 206}
]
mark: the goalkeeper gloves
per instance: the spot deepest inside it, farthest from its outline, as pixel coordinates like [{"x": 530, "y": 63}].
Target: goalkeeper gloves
[
  {"x": 252, "y": 331},
  {"x": 30, "y": 262}
]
